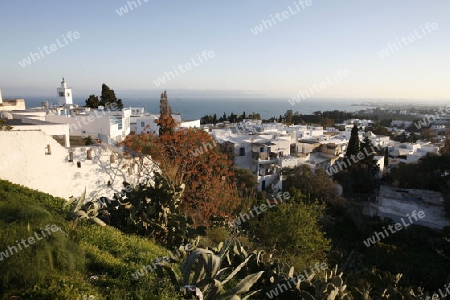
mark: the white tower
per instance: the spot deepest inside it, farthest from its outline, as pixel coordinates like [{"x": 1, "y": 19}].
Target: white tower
[
  {"x": 1, "y": 99},
  {"x": 64, "y": 94}
]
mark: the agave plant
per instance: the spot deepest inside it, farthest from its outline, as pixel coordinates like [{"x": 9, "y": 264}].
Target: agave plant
[
  {"x": 208, "y": 274},
  {"x": 204, "y": 277},
  {"x": 81, "y": 210}
]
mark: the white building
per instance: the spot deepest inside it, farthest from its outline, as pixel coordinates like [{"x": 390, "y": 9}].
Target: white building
[
  {"x": 258, "y": 153},
  {"x": 308, "y": 132},
  {"x": 265, "y": 149},
  {"x": 142, "y": 122},
  {"x": 378, "y": 140},
  {"x": 98, "y": 123},
  {"x": 145, "y": 123},
  {"x": 11, "y": 104},
  {"x": 190, "y": 124},
  {"x": 410, "y": 152},
  {"x": 401, "y": 123},
  {"x": 101, "y": 123}
]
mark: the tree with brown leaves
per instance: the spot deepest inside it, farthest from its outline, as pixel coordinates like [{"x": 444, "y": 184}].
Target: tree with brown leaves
[{"x": 190, "y": 156}]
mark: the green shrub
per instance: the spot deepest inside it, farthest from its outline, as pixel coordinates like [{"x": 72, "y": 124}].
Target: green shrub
[{"x": 25, "y": 263}]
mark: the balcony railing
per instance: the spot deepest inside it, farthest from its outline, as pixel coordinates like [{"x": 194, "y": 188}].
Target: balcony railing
[{"x": 272, "y": 156}]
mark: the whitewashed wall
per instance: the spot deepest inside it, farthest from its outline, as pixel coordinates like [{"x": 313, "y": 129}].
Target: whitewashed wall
[{"x": 23, "y": 160}]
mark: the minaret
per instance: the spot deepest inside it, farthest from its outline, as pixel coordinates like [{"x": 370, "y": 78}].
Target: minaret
[{"x": 64, "y": 94}]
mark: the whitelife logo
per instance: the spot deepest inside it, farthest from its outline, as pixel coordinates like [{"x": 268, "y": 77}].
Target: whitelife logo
[
  {"x": 69, "y": 37},
  {"x": 391, "y": 48},
  {"x": 243, "y": 217},
  {"x": 187, "y": 66},
  {"x": 124, "y": 9},
  {"x": 265, "y": 24},
  {"x": 208, "y": 146},
  {"x": 342, "y": 164},
  {"x": 427, "y": 120},
  {"x": 149, "y": 268},
  {"x": 281, "y": 287},
  {"x": 341, "y": 74},
  {"x": 376, "y": 237},
  {"x": 9, "y": 161},
  {"x": 31, "y": 240},
  {"x": 443, "y": 295}
]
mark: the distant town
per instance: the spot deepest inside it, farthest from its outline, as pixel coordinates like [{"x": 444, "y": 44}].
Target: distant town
[
  {"x": 265, "y": 147},
  {"x": 362, "y": 164}
]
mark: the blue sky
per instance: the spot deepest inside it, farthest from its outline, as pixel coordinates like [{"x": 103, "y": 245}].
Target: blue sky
[{"x": 131, "y": 51}]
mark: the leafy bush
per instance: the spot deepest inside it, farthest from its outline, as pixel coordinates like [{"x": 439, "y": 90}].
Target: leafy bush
[{"x": 293, "y": 230}]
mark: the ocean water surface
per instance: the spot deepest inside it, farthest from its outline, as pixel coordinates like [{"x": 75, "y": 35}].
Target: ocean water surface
[{"x": 195, "y": 108}]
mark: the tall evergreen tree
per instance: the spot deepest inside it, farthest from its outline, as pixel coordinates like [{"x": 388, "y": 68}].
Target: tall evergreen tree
[
  {"x": 353, "y": 143},
  {"x": 369, "y": 151},
  {"x": 108, "y": 98},
  {"x": 386, "y": 156}
]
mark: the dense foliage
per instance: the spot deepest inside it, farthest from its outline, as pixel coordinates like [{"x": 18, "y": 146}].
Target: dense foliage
[
  {"x": 191, "y": 157},
  {"x": 150, "y": 209},
  {"x": 79, "y": 261},
  {"x": 3, "y": 125},
  {"x": 314, "y": 185},
  {"x": 103, "y": 262},
  {"x": 232, "y": 118},
  {"x": 293, "y": 231},
  {"x": 108, "y": 99}
]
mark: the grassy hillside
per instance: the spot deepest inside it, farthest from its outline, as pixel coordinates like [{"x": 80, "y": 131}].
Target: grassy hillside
[{"x": 43, "y": 256}]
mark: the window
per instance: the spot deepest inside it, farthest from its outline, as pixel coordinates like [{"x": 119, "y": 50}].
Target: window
[
  {"x": 61, "y": 94},
  {"x": 242, "y": 151},
  {"x": 142, "y": 124}
]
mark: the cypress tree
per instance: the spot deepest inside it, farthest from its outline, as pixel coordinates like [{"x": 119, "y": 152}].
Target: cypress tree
[
  {"x": 353, "y": 143},
  {"x": 386, "y": 157}
]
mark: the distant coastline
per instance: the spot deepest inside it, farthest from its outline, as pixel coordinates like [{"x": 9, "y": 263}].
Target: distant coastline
[{"x": 195, "y": 108}]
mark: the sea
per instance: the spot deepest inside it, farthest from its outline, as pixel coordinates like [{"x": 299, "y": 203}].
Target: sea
[{"x": 195, "y": 108}]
